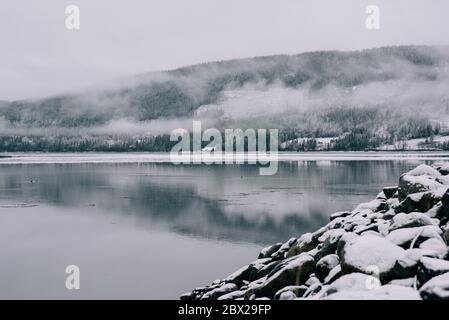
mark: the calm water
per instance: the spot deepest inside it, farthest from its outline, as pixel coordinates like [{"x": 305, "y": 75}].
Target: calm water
[{"x": 155, "y": 230}]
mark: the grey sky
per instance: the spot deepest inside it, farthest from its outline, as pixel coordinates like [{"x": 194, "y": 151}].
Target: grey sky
[{"x": 39, "y": 56}]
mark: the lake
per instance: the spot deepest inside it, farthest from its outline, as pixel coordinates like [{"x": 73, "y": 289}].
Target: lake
[{"x": 139, "y": 227}]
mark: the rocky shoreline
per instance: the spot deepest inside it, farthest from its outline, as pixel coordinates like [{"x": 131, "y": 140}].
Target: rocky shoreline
[{"x": 393, "y": 247}]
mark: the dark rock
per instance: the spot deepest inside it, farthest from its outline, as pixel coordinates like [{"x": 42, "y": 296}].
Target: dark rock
[
  {"x": 407, "y": 264},
  {"x": 421, "y": 201},
  {"x": 280, "y": 254},
  {"x": 333, "y": 275},
  {"x": 296, "y": 272},
  {"x": 305, "y": 243},
  {"x": 340, "y": 214},
  {"x": 268, "y": 251},
  {"x": 325, "y": 265},
  {"x": 220, "y": 291},
  {"x": 444, "y": 209},
  {"x": 436, "y": 288},
  {"x": 313, "y": 290},
  {"x": 422, "y": 178},
  {"x": 429, "y": 268},
  {"x": 262, "y": 271},
  {"x": 390, "y": 191},
  {"x": 330, "y": 242}
]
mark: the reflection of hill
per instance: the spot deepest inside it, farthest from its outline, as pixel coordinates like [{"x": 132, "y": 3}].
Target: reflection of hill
[{"x": 229, "y": 202}]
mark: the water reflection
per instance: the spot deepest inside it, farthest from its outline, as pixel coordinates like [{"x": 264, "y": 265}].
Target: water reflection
[{"x": 232, "y": 203}]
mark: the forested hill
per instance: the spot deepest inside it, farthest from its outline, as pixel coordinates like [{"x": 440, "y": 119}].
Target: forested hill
[{"x": 389, "y": 93}]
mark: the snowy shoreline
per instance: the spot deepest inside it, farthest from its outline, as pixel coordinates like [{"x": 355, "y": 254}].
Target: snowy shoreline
[
  {"x": 393, "y": 247},
  {"x": 152, "y": 157}
]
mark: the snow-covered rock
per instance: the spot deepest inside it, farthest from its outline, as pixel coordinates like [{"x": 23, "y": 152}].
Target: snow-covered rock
[
  {"x": 368, "y": 254},
  {"x": 413, "y": 236},
  {"x": 387, "y": 292},
  {"x": 436, "y": 288},
  {"x": 413, "y": 219}
]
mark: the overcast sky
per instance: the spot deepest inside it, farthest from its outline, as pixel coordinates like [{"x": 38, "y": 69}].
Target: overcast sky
[{"x": 39, "y": 56}]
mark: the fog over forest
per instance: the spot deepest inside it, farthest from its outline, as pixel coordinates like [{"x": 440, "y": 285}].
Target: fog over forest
[{"x": 370, "y": 97}]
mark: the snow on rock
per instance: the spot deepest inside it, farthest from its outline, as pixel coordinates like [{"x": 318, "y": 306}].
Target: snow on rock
[
  {"x": 423, "y": 178},
  {"x": 407, "y": 264},
  {"x": 435, "y": 245},
  {"x": 436, "y": 288},
  {"x": 386, "y": 292},
  {"x": 413, "y": 236},
  {"x": 294, "y": 273},
  {"x": 368, "y": 254},
  {"x": 413, "y": 219},
  {"x": 429, "y": 268},
  {"x": 383, "y": 249}
]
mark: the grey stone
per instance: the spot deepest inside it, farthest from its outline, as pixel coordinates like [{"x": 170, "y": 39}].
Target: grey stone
[
  {"x": 268, "y": 251},
  {"x": 429, "y": 268},
  {"x": 325, "y": 265},
  {"x": 390, "y": 191},
  {"x": 220, "y": 291},
  {"x": 436, "y": 289},
  {"x": 296, "y": 272}
]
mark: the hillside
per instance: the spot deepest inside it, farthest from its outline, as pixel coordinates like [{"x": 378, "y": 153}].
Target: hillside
[{"x": 364, "y": 98}]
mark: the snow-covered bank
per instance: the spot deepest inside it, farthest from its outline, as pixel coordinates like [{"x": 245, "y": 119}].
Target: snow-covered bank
[
  {"x": 393, "y": 247},
  {"x": 155, "y": 157}
]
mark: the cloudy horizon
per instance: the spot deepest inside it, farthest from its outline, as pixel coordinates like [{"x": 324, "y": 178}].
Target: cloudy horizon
[{"x": 40, "y": 57}]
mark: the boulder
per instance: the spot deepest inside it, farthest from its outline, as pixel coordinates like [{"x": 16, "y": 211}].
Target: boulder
[
  {"x": 287, "y": 295},
  {"x": 422, "y": 178},
  {"x": 413, "y": 219},
  {"x": 296, "y": 272},
  {"x": 325, "y": 265},
  {"x": 436, "y": 288},
  {"x": 370, "y": 253},
  {"x": 340, "y": 214},
  {"x": 298, "y": 291},
  {"x": 313, "y": 290},
  {"x": 408, "y": 282},
  {"x": 220, "y": 291},
  {"x": 406, "y": 236},
  {"x": 446, "y": 234},
  {"x": 429, "y": 268},
  {"x": 305, "y": 243},
  {"x": 330, "y": 241},
  {"x": 386, "y": 292},
  {"x": 444, "y": 209},
  {"x": 232, "y": 295},
  {"x": 268, "y": 251},
  {"x": 259, "y": 271},
  {"x": 420, "y": 201},
  {"x": 333, "y": 275},
  {"x": 407, "y": 263},
  {"x": 389, "y": 192},
  {"x": 354, "y": 282},
  {"x": 436, "y": 245},
  {"x": 280, "y": 253}
]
